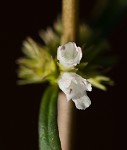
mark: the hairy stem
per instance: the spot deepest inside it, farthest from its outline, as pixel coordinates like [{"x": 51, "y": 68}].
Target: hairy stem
[
  {"x": 69, "y": 20},
  {"x": 67, "y": 110}
]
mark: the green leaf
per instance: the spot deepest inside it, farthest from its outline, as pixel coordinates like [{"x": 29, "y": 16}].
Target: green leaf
[
  {"x": 52, "y": 121},
  {"x": 48, "y": 129},
  {"x": 43, "y": 122}
]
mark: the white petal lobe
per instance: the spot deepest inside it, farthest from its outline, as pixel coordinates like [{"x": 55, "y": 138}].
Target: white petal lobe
[{"x": 82, "y": 103}]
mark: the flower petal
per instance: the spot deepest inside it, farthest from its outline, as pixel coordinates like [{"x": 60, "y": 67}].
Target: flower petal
[
  {"x": 64, "y": 82},
  {"x": 88, "y": 85},
  {"x": 73, "y": 85},
  {"x": 69, "y": 55},
  {"x": 83, "y": 102},
  {"x": 77, "y": 90}
]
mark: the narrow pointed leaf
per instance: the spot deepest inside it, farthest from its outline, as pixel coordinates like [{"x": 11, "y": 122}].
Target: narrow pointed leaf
[
  {"x": 53, "y": 133},
  {"x": 43, "y": 122},
  {"x": 48, "y": 129}
]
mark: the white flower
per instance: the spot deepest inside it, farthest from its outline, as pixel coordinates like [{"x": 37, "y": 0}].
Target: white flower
[
  {"x": 69, "y": 55},
  {"x": 75, "y": 87}
]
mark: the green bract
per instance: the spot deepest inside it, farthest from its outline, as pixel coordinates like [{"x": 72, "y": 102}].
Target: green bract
[{"x": 37, "y": 65}]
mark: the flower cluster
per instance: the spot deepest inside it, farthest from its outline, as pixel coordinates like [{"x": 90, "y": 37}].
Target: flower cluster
[
  {"x": 40, "y": 63},
  {"x": 73, "y": 85}
]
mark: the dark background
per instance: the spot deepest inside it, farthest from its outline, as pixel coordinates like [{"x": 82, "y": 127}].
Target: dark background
[{"x": 100, "y": 127}]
